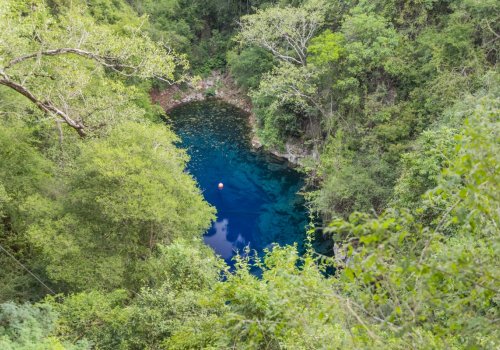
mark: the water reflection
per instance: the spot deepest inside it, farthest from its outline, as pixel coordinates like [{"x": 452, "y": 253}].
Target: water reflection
[
  {"x": 218, "y": 238},
  {"x": 259, "y": 204}
]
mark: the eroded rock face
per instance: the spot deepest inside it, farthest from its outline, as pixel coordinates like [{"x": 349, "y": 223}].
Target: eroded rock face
[
  {"x": 223, "y": 87},
  {"x": 216, "y": 85},
  {"x": 256, "y": 144},
  {"x": 295, "y": 152}
]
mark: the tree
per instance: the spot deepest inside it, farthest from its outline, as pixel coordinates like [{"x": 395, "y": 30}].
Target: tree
[
  {"x": 249, "y": 65},
  {"x": 422, "y": 167},
  {"x": 183, "y": 275},
  {"x": 127, "y": 193},
  {"x": 29, "y": 327},
  {"x": 286, "y": 101},
  {"x": 284, "y": 31},
  {"x": 433, "y": 280},
  {"x": 54, "y": 61},
  {"x": 23, "y": 172}
]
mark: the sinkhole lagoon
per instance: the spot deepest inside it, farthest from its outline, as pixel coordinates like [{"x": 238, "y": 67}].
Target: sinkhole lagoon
[{"x": 259, "y": 204}]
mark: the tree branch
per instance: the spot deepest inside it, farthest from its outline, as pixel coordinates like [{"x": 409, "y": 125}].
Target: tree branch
[
  {"x": 106, "y": 61},
  {"x": 44, "y": 106}
]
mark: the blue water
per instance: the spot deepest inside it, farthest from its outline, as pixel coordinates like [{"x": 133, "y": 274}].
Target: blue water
[{"x": 259, "y": 204}]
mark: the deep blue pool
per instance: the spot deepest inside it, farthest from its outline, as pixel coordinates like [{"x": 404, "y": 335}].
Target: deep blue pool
[{"x": 259, "y": 204}]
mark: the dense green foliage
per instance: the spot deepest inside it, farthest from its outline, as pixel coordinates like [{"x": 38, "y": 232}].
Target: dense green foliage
[
  {"x": 124, "y": 194},
  {"x": 360, "y": 81},
  {"x": 100, "y": 224},
  {"x": 87, "y": 212},
  {"x": 27, "y": 327}
]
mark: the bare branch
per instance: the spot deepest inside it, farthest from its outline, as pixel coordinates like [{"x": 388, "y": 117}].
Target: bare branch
[
  {"x": 106, "y": 61},
  {"x": 61, "y": 51},
  {"x": 491, "y": 30}
]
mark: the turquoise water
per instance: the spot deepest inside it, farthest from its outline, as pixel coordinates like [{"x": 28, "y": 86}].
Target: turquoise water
[{"x": 259, "y": 204}]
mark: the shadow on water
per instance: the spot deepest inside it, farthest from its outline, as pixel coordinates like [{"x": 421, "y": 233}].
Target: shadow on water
[{"x": 259, "y": 204}]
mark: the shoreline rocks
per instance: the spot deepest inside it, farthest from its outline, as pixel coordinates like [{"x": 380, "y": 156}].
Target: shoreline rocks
[{"x": 223, "y": 87}]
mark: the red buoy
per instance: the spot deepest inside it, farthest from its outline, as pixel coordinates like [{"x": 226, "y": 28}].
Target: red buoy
[{"x": 221, "y": 185}]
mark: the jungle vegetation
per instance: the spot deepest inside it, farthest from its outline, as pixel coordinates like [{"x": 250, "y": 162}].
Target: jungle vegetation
[{"x": 101, "y": 226}]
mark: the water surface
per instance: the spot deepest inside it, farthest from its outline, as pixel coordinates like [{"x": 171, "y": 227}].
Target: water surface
[{"x": 259, "y": 204}]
